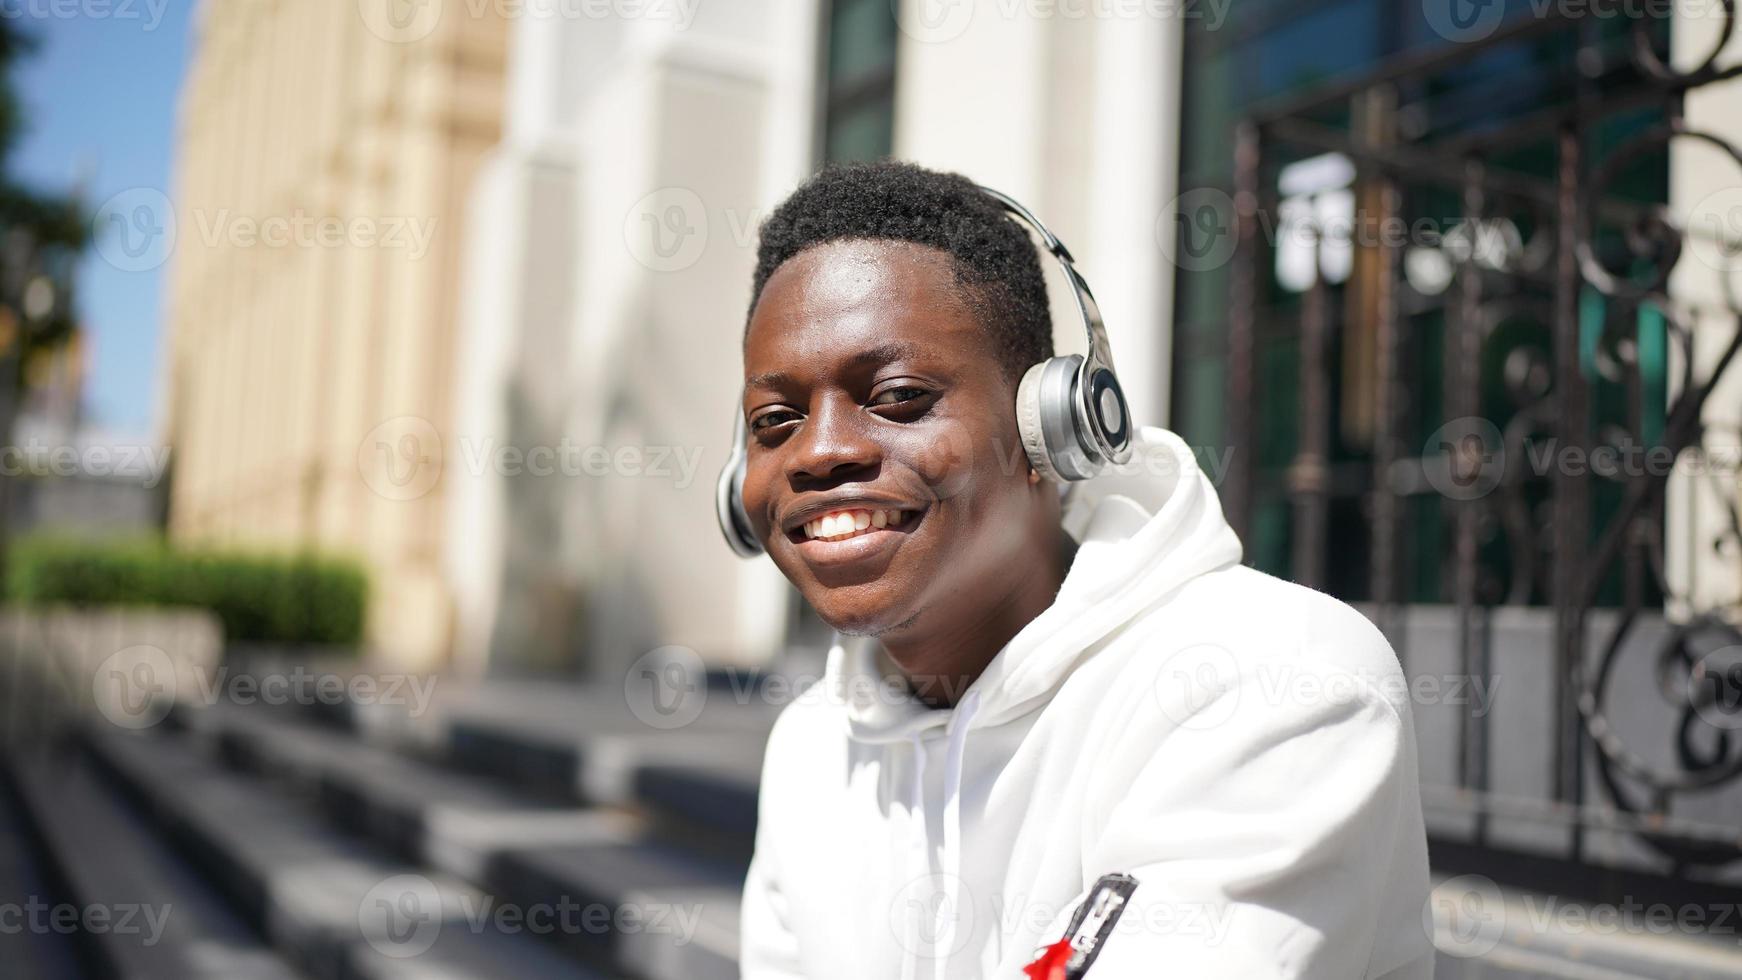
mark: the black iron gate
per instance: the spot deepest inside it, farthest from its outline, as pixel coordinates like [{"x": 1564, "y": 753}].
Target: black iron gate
[{"x": 1560, "y": 339}]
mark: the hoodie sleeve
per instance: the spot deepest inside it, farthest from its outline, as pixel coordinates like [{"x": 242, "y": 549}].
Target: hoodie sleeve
[
  {"x": 769, "y": 948},
  {"x": 1265, "y": 830}
]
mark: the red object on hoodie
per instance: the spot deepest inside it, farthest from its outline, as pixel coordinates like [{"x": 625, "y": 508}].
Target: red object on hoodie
[{"x": 1050, "y": 964}]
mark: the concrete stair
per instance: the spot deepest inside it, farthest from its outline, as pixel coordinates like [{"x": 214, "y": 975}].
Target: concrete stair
[
  {"x": 337, "y": 907},
  {"x": 29, "y": 953},
  {"x": 1516, "y": 935},
  {"x": 678, "y": 904},
  {"x": 165, "y": 924},
  {"x": 512, "y": 830}
]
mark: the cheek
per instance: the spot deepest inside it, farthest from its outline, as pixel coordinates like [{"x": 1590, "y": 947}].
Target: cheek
[
  {"x": 948, "y": 459},
  {"x": 757, "y": 494},
  {"x": 963, "y": 456}
]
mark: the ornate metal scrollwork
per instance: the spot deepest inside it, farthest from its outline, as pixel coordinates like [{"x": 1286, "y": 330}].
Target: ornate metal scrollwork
[
  {"x": 1698, "y": 666},
  {"x": 1514, "y": 283}
]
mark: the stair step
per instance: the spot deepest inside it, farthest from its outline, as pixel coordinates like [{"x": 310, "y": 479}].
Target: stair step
[
  {"x": 681, "y": 909},
  {"x": 587, "y": 744},
  {"x": 721, "y": 799},
  {"x": 339, "y": 909},
  {"x": 1516, "y": 935},
  {"x": 531, "y": 854},
  {"x": 449, "y": 820},
  {"x": 176, "y": 927},
  {"x": 30, "y": 953}
]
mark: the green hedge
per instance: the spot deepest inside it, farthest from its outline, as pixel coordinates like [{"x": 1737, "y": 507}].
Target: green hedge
[{"x": 258, "y": 597}]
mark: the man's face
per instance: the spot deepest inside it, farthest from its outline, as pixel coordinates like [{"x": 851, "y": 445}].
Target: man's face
[{"x": 874, "y": 398}]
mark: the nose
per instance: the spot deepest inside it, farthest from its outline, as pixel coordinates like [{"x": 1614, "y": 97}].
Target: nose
[{"x": 832, "y": 446}]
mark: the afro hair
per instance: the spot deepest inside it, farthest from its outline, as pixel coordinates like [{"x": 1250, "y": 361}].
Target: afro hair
[{"x": 995, "y": 262}]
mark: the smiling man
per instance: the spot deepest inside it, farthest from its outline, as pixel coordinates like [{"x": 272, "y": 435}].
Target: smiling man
[{"x": 1064, "y": 732}]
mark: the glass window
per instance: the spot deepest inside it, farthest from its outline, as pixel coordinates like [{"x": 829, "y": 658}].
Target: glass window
[
  {"x": 858, "y": 80},
  {"x": 1285, "y": 48}
]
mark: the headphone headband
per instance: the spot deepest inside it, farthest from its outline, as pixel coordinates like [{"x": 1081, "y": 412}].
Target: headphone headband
[{"x": 1100, "y": 355}]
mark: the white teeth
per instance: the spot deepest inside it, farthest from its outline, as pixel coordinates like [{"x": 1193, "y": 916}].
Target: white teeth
[{"x": 845, "y": 524}]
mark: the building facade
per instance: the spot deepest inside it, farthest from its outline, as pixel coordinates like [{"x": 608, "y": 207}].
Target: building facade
[
  {"x": 610, "y": 273},
  {"x": 517, "y": 417},
  {"x": 326, "y": 152}
]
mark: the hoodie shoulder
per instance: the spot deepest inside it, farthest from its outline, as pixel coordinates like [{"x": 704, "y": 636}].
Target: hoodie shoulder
[{"x": 1264, "y": 621}]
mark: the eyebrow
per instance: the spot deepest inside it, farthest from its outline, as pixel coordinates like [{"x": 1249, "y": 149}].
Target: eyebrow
[{"x": 881, "y": 354}]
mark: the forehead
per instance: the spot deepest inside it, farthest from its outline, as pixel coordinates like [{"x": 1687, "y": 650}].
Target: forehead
[{"x": 835, "y": 299}]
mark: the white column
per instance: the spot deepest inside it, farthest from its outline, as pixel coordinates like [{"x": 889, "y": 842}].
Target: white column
[{"x": 1706, "y": 196}]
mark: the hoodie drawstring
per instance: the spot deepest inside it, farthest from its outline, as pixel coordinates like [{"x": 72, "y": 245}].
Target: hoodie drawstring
[
  {"x": 952, "y": 862},
  {"x": 917, "y": 836}
]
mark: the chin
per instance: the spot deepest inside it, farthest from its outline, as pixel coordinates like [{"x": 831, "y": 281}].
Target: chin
[{"x": 852, "y": 617}]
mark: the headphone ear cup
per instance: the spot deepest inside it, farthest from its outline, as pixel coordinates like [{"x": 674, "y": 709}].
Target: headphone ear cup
[
  {"x": 1030, "y": 423},
  {"x": 729, "y": 502}
]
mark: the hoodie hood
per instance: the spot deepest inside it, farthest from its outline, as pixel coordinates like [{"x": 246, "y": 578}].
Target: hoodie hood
[{"x": 1142, "y": 529}]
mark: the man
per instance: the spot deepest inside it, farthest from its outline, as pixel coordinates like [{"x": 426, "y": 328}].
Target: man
[{"x": 1036, "y": 689}]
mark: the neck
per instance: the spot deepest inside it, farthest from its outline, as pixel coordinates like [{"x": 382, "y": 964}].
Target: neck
[{"x": 942, "y": 659}]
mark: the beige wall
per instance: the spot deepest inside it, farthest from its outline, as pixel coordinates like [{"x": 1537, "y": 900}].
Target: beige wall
[
  {"x": 287, "y": 357},
  {"x": 1706, "y": 199}
]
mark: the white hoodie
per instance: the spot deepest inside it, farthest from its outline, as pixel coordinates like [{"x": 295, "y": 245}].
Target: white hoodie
[{"x": 1241, "y": 745}]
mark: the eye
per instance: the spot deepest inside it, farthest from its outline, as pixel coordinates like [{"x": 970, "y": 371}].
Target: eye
[
  {"x": 770, "y": 419},
  {"x": 898, "y": 395}
]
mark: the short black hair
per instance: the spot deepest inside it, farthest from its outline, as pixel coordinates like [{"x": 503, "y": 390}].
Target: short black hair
[{"x": 994, "y": 258}]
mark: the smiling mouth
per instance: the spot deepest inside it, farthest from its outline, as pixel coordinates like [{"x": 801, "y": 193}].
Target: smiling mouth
[{"x": 848, "y": 523}]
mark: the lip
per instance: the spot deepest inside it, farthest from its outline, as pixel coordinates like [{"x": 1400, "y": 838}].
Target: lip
[
  {"x": 793, "y": 522},
  {"x": 871, "y": 545}
]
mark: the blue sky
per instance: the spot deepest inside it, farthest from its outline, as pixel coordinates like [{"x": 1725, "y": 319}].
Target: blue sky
[{"x": 100, "y": 98}]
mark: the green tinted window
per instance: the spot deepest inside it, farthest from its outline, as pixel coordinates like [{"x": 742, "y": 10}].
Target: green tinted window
[{"x": 859, "y": 80}]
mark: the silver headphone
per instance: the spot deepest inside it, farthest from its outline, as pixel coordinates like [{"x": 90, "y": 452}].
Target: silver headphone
[{"x": 1070, "y": 410}]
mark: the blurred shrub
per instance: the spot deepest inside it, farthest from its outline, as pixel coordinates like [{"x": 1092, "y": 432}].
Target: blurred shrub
[{"x": 259, "y": 598}]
